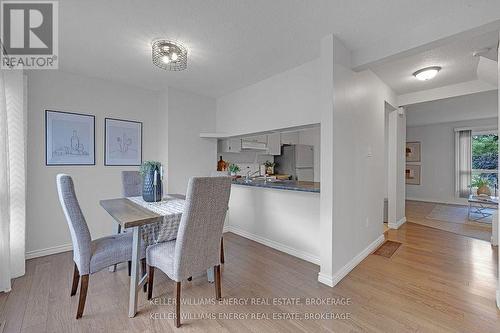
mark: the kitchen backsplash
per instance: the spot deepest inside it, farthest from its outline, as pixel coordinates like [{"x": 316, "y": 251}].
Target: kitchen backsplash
[{"x": 247, "y": 161}]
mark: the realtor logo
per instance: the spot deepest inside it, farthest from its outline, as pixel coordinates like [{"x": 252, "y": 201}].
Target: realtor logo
[{"x": 29, "y": 34}]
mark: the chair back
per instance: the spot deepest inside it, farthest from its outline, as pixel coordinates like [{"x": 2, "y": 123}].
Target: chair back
[
  {"x": 200, "y": 230},
  {"x": 80, "y": 234},
  {"x": 131, "y": 184}
]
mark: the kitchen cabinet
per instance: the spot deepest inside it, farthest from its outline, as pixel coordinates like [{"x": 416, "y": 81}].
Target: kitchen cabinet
[
  {"x": 290, "y": 138},
  {"x": 256, "y": 139},
  {"x": 274, "y": 144},
  {"x": 230, "y": 146}
]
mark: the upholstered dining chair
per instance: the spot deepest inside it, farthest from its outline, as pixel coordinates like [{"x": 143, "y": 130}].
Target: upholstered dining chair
[
  {"x": 131, "y": 187},
  {"x": 89, "y": 256},
  {"x": 221, "y": 174},
  {"x": 131, "y": 184},
  {"x": 198, "y": 240}
]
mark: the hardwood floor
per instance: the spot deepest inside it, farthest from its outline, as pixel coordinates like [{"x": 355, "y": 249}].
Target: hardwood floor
[
  {"x": 435, "y": 282},
  {"x": 419, "y": 211}
]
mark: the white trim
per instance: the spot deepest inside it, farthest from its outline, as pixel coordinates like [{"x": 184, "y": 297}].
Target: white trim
[
  {"x": 397, "y": 224},
  {"x": 273, "y": 244},
  {"x": 477, "y": 128},
  {"x": 455, "y": 202},
  {"x": 48, "y": 251},
  {"x": 325, "y": 279},
  {"x": 341, "y": 273},
  {"x": 498, "y": 298}
]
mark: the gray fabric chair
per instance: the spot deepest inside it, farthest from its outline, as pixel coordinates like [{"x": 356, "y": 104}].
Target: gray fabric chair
[
  {"x": 221, "y": 174},
  {"x": 89, "y": 256},
  {"x": 131, "y": 187},
  {"x": 198, "y": 240},
  {"x": 131, "y": 184}
]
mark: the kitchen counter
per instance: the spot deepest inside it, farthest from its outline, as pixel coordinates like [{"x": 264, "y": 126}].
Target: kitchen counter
[{"x": 290, "y": 185}]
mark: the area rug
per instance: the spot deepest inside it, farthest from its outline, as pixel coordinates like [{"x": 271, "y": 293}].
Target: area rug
[
  {"x": 457, "y": 214},
  {"x": 387, "y": 249}
]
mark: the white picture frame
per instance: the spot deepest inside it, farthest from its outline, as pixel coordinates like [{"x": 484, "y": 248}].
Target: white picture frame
[
  {"x": 413, "y": 174},
  {"x": 122, "y": 142},
  {"x": 69, "y": 138}
]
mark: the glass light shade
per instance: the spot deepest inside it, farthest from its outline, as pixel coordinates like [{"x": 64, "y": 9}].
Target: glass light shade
[
  {"x": 169, "y": 55},
  {"x": 427, "y": 73}
]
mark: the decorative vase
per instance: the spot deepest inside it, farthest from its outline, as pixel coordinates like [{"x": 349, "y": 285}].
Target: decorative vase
[
  {"x": 484, "y": 190},
  {"x": 148, "y": 188}
]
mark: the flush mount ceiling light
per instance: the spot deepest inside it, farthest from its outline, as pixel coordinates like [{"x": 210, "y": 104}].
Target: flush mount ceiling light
[
  {"x": 169, "y": 55},
  {"x": 427, "y": 73}
]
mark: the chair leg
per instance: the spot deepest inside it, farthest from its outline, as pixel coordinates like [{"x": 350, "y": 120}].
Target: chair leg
[
  {"x": 222, "y": 250},
  {"x": 143, "y": 272},
  {"x": 217, "y": 283},
  {"x": 84, "y": 284},
  {"x": 129, "y": 268},
  {"x": 76, "y": 279},
  {"x": 151, "y": 273},
  {"x": 178, "y": 306}
]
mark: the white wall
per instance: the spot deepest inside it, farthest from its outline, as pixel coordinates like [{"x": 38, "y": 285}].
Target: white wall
[
  {"x": 284, "y": 100},
  {"x": 468, "y": 107},
  {"x": 282, "y": 219},
  {"x": 353, "y": 157},
  {"x": 396, "y": 146},
  {"x": 438, "y": 159},
  {"x": 188, "y": 115},
  {"x": 56, "y": 90}
]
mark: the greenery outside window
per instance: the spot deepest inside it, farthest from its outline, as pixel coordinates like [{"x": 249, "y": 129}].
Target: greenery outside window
[{"x": 485, "y": 157}]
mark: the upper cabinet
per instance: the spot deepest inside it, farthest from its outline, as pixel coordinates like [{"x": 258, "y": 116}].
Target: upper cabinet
[
  {"x": 230, "y": 146},
  {"x": 274, "y": 144},
  {"x": 290, "y": 138},
  {"x": 256, "y": 139}
]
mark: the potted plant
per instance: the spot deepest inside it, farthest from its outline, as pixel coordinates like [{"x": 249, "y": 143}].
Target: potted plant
[
  {"x": 270, "y": 167},
  {"x": 234, "y": 169},
  {"x": 482, "y": 185},
  {"x": 152, "y": 176}
]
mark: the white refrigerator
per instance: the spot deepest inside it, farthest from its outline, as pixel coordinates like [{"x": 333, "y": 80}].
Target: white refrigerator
[{"x": 297, "y": 161}]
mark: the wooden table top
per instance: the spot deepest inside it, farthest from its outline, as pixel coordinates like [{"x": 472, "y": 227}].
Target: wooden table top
[{"x": 129, "y": 214}]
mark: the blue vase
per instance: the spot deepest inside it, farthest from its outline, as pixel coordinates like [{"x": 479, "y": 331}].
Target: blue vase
[{"x": 148, "y": 190}]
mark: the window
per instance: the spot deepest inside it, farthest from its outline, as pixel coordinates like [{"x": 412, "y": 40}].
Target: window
[{"x": 485, "y": 157}]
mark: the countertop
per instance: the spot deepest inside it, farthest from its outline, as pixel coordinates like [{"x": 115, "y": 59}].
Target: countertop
[{"x": 290, "y": 185}]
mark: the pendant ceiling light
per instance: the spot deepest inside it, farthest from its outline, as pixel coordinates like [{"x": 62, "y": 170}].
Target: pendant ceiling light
[{"x": 169, "y": 55}]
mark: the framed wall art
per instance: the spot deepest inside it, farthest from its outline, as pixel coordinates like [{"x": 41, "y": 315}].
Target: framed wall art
[
  {"x": 69, "y": 138},
  {"x": 412, "y": 174},
  {"x": 122, "y": 142},
  {"x": 413, "y": 152}
]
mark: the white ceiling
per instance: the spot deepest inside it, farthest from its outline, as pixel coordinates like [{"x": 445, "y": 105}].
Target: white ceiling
[
  {"x": 234, "y": 43},
  {"x": 456, "y": 59}
]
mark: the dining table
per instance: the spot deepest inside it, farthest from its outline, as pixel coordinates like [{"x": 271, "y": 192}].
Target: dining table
[{"x": 150, "y": 223}]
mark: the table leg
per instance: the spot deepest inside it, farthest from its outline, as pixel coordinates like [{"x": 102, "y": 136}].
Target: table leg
[
  {"x": 118, "y": 229},
  {"x": 210, "y": 274},
  {"x": 134, "y": 278}
]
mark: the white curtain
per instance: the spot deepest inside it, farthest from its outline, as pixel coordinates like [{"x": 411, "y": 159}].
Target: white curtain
[
  {"x": 464, "y": 162},
  {"x": 12, "y": 176}
]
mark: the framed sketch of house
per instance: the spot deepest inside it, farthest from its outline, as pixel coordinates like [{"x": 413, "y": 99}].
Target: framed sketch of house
[
  {"x": 69, "y": 138},
  {"x": 122, "y": 142}
]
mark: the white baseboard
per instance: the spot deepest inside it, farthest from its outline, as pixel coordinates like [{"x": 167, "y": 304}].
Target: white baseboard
[
  {"x": 341, "y": 273},
  {"x": 325, "y": 279},
  {"x": 397, "y": 224},
  {"x": 48, "y": 251},
  {"x": 273, "y": 244},
  {"x": 459, "y": 202}
]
